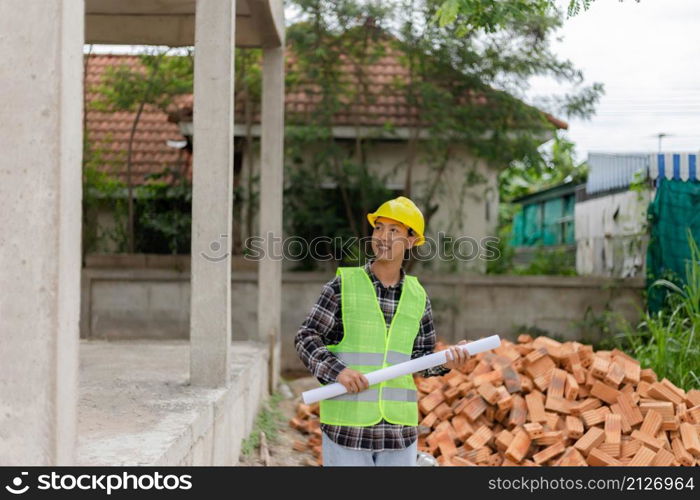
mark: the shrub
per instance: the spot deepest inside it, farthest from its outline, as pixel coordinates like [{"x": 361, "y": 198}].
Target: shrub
[{"x": 667, "y": 341}]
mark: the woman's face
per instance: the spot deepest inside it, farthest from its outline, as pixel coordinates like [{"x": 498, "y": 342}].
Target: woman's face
[{"x": 390, "y": 239}]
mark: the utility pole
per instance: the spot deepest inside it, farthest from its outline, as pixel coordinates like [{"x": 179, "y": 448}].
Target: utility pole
[{"x": 660, "y": 136}]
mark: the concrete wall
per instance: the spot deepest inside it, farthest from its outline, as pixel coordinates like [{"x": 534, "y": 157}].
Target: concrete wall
[
  {"x": 611, "y": 238},
  {"x": 154, "y": 303}
]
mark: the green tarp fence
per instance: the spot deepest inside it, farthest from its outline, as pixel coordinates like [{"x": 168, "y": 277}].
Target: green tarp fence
[{"x": 674, "y": 211}]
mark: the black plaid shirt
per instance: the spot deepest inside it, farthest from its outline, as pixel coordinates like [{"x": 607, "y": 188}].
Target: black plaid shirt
[{"x": 324, "y": 326}]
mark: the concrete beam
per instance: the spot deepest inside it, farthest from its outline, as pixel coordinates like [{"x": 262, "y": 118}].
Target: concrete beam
[
  {"x": 266, "y": 16},
  {"x": 40, "y": 229},
  {"x": 271, "y": 184},
  {"x": 172, "y": 22},
  {"x": 140, "y": 7},
  {"x": 212, "y": 188},
  {"x": 174, "y": 31}
]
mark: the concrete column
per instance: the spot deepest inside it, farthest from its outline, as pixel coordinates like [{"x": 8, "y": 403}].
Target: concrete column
[
  {"x": 212, "y": 189},
  {"x": 271, "y": 184},
  {"x": 40, "y": 228}
]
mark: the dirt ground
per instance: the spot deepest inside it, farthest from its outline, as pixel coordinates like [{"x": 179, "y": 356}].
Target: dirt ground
[{"x": 281, "y": 451}]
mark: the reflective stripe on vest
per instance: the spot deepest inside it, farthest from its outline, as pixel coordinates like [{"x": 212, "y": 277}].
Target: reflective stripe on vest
[
  {"x": 372, "y": 358},
  {"x": 362, "y": 358},
  {"x": 368, "y": 395},
  {"x": 394, "y": 358},
  {"x": 388, "y": 394},
  {"x": 394, "y": 394},
  {"x": 368, "y": 345}
]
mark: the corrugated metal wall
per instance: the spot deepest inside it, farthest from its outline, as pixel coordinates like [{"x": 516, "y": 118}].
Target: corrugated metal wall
[{"x": 610, "y": 171}]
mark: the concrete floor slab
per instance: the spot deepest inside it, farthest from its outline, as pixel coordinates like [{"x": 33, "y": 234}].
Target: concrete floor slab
[{"x": 136, "y": 406}]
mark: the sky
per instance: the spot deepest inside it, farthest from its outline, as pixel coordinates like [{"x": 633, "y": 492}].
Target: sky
[{"x": 647, "y": 56}]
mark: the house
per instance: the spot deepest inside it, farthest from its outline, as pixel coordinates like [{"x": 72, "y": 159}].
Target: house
[
  {"x": 601, "y": 223},
  {"x": 158, "y": 144},
  {"x": 637, "y": 216},
  {"x": 466, "y": 208}
]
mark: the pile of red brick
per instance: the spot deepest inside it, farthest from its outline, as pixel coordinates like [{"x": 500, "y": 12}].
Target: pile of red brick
[
  {"x": 306, "y": 421},
  {"x": 544, "y": 402}
]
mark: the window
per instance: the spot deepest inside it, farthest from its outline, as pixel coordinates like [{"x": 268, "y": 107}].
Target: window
[{"x": 545, "y": 223}]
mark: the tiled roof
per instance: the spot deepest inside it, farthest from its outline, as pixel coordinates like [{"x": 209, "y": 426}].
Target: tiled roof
[
  {"x": 385, "y": 101},
  {"x": 384, "y": 104}
]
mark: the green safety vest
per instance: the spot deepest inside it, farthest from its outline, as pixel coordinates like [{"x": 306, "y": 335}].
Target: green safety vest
[{"x": 367, "y": 346}]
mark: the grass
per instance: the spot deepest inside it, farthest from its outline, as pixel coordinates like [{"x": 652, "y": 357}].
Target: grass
[
  {"x": 546, "y": 261},
  {"x": 667, "y": 341},
  {"x": 268, "y": 420}
]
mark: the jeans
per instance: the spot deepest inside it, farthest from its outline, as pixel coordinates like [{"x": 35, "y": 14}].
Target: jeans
[{"x": 335, "y": 455}]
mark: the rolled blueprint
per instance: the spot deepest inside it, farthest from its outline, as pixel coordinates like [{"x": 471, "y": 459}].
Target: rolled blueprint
[{"x": 405, "y": 368}]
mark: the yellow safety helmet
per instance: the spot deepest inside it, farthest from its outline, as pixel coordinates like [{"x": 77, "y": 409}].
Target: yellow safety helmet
[{"x": 405, "y": 211}]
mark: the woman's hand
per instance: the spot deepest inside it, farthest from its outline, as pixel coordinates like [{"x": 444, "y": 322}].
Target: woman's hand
[
  {"x": 456, "y": 357},
  {"x": 353, "y": 380}
]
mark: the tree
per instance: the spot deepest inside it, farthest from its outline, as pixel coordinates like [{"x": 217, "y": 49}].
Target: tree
[
  {"x": 467, "y": 83},
  {"x": 492, "y": 15},
  {"x": 155, "y": 81},
  {"x": 329, "y": 35},
  {"x": 557, "y": 165}
]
